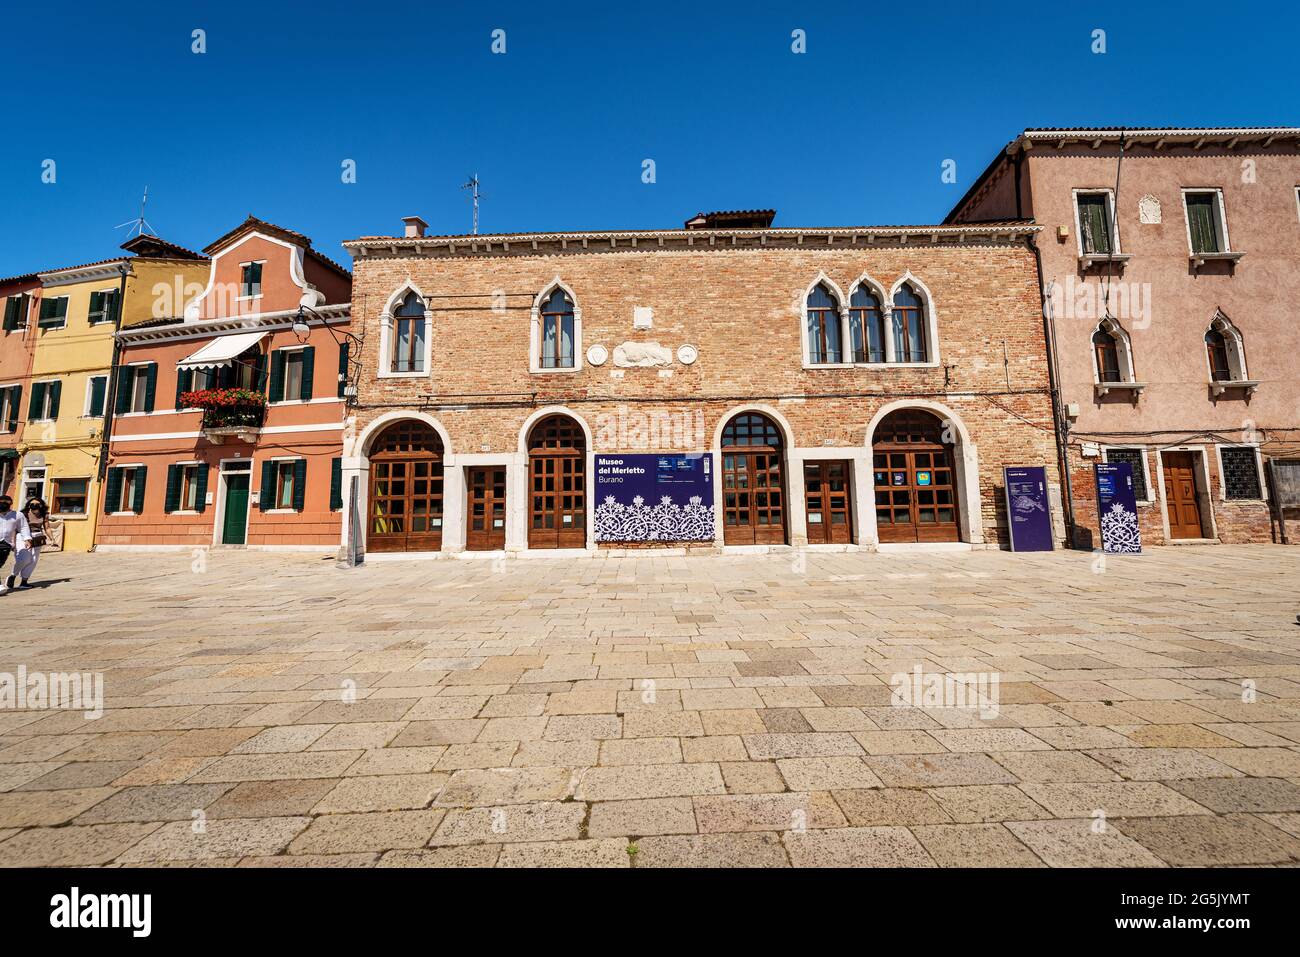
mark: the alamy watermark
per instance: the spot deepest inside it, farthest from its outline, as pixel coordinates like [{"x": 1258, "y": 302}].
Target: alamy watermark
[
  {"x": 968, "y": 690},
  {"x": 53, "y": 690}
]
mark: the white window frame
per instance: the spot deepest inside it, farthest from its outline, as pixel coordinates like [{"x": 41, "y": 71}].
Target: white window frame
[
  {"x": 27, "y": 315},
  {"x": 239, "y": 296},
  {"x": 279, "y": 460},
  {"x": 131, "y": 409},
  {"x": 882, "y": 297},
  {"x": 288, "y": 350},
  {"x": 535, "y": 366},
  {"x": 842, "y": 311},
  {"x": 90, "y": 388},
  {"x": 62, "y": 325},
  {"x": 191, "y": 464},
  {"x": 1124, "y": 345},
  {"x": 1236, "y": 350},
  {"x": 46, "y": 402},
  {"x": 387, "y": 334},
  {"x": 28, "y": 471},
  {"x": 117, "y": 510},
  {"x": 1109, "y": 193},
  {"x": 4, "y": 412},
  {"x": 113, "y": 291},
  {"x": 1146, "y": 468},
  {"x": 1259, "y": 473},
  {"x": 931, "y": 324},
  {"x": 54, "y": 496},
  {"x": 1223, "y": 218}
]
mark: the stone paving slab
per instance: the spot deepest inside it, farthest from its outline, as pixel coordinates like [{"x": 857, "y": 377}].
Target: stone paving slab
[{"x": 647, "y": 711}]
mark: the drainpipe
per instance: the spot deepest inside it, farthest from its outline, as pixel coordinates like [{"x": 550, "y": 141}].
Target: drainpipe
[
  {"x": 1060, "y": 425},
  {"x": 110, "y": 391}
]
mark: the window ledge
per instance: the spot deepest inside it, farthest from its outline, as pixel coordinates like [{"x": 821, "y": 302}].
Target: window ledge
[
  {"x": 1219, "y": 387},
  {"x": 122, "y": 514},
  {"x": 1200, "y": 259},
  {"x": 558, "y": 370},
  {"x": 243, "y": 433},
  {"x": 1133, "y": 388},
  {"x": 280, "y": 511},
  {"x": 1092, "y": 260},
  {"x": 1243, "y": 501},
  {"x": 402, "y": 375}
]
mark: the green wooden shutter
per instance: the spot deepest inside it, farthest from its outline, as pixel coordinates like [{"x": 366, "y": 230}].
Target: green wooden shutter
[
  {"x": 96, "y": 306},
  {"x": 344, "y": 352},
  {"x": 184, "y": 383},
  {"x": 201, "y": 492},
  {"x": 173, "y": 499},
  {"x": 276, "y": 392},
  {"x": 299, "y": 484},
  {"x": 122, "y": 398},
  {"x": 11, "y": 313},
  {"x": 336, "y": 484},
  {"x": 112, "y": 490},
  {"x": 259, "y": 375},
  {"x": 37, "y": 404},
  {"x": 50, "y": 312},
  {"x": 1094, "y": 222},
  {"x": 150, "y": 385},
  {"x": 308, "y": 372},
  {"x": 267, "y": 499},
  {"x": 15, "y": 400},
  {"x": 56, "y": 391},
  {"x": 98, "y": 386},
  {"x": 115, "y": 305},
  {"x": 141, "y": 473}
]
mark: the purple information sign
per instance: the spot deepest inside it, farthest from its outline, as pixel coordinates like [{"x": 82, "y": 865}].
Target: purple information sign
[
  {"x": 1027, "y": 509},
  {"x": 1117, "y": 506},
  {"x": 654, "y": 498}
]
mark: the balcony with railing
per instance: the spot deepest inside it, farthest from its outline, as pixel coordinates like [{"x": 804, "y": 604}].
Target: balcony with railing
[{"x": 237, "y": 413}]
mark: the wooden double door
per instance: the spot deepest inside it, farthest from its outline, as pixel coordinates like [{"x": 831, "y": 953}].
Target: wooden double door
[
  {"x": 485, "y": 521},
  {"x": 753, "y": 497},
  {"x": 406, "y": 485},
  {"x": 916, "y": 500},
  {"x": 828, "y": 500},
  {"x": 1181, "y": 501},
  {"x": 557, "y": 484}
]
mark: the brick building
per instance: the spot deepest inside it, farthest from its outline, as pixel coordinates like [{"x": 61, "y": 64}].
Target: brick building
[
  {"x": 842, "y": 387},
  {"x": 227, "y": 411},
  {"x": 1169, "y": 267}
]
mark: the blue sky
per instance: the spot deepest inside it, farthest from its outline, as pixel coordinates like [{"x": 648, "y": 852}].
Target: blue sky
[{"x": 854, "y": 131}]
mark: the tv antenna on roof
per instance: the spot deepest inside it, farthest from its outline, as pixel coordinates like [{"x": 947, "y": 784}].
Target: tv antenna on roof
[
  {"x": 139, "y": 224},
  {"x": 473, "y": 184}
]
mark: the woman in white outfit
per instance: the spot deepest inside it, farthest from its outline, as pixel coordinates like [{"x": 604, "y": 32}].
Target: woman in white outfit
[
  {"x": 36, "y": 512},
  {"x": 14, "y": 537}
]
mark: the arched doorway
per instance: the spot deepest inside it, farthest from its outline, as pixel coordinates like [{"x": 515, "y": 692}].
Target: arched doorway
[
  {"x": 753, "y": 481},
  {"x": 557, "y": 482},
  {"x": 405, "y": 489},
  {"x": 916, "y": 490}
]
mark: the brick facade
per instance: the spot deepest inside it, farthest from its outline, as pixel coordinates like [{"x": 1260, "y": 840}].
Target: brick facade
[{"x": 737, "y": 297}]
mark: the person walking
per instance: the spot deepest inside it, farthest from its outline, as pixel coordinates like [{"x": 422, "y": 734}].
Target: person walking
[
  {"x": 36, "y": 512},
  {"x": 14, "y": 536}
]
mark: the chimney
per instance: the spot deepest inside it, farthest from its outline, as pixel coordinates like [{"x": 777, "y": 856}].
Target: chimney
[{"x": 415, "y": 226}]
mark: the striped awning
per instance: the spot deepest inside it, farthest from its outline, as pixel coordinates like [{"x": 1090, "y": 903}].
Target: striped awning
[{"x": 221, "y": 350}]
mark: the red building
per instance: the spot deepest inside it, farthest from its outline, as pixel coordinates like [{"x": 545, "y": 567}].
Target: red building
[{"x": 227, "y": 410}]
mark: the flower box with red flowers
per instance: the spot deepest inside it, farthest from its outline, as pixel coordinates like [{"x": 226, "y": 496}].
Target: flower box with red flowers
[{"x": 227, "y": 408}]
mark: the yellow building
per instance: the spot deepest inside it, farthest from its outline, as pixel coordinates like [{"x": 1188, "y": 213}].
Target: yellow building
[{"x": 80, "y": 309}]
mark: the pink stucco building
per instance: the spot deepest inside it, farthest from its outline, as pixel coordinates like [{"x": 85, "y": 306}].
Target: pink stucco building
[{"x": 1170, "y": 264}]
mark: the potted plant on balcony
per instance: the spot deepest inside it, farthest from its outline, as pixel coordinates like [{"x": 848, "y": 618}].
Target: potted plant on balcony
[{"x": 227, "y": 411}]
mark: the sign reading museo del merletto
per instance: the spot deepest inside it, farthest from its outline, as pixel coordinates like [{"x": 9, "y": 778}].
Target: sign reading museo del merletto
[
  {"x": 654, "y": 498},
  {"x": 1027, "y": 509},
  {"x": 1117, "y": 506}
]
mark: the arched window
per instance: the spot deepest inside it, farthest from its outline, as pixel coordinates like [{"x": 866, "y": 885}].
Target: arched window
[
  {"x": 557, "y": 321},
  {"x": 909, "y": 327},
  {"x": 1225, "y": 351},
  {"x": 1107, "y": 350},
  {"x": 409, "y": 335},
  {"x": 866, "y": 326},
  {"x": 823, "y": 327}
]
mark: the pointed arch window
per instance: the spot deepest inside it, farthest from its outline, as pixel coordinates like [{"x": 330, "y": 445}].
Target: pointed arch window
[
  {"x": 866, "y": 326},
  {"x": 909, "y": 322},
  {"x": 823, "y": 317},
  {"x": 557, "y": 331},
  {"x": 409, "y": 335},
  {"x": 1106, "y": 347},
  {"x": 1225, "y": 351}
]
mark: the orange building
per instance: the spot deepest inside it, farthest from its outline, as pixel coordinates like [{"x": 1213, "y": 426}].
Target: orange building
[
  {"x": 19, "y": 300},
  {"x": 227, "y": 411}
]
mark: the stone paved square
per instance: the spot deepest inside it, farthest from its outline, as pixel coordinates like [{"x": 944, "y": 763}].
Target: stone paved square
[{"x": 642, "y": 710}]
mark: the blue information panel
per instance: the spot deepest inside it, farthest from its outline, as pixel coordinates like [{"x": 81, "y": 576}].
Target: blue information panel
[
  {"x": 654, "y": 498},
  {"x": 1027, "y": 510},
  {"x": 1117, "y": 506}
]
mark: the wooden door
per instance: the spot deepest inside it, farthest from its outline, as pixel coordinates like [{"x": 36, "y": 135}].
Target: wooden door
[
  {"x": 405, "y": 504},
  {"x": 234, "y": 523},
  {"x": 827, "y": 496},
  {"x": 486, "y": 515},
  {"x": 559, "y": 501},
  {"x": 1180, "y": 495},
  {"x": 753, "y": 498}
]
